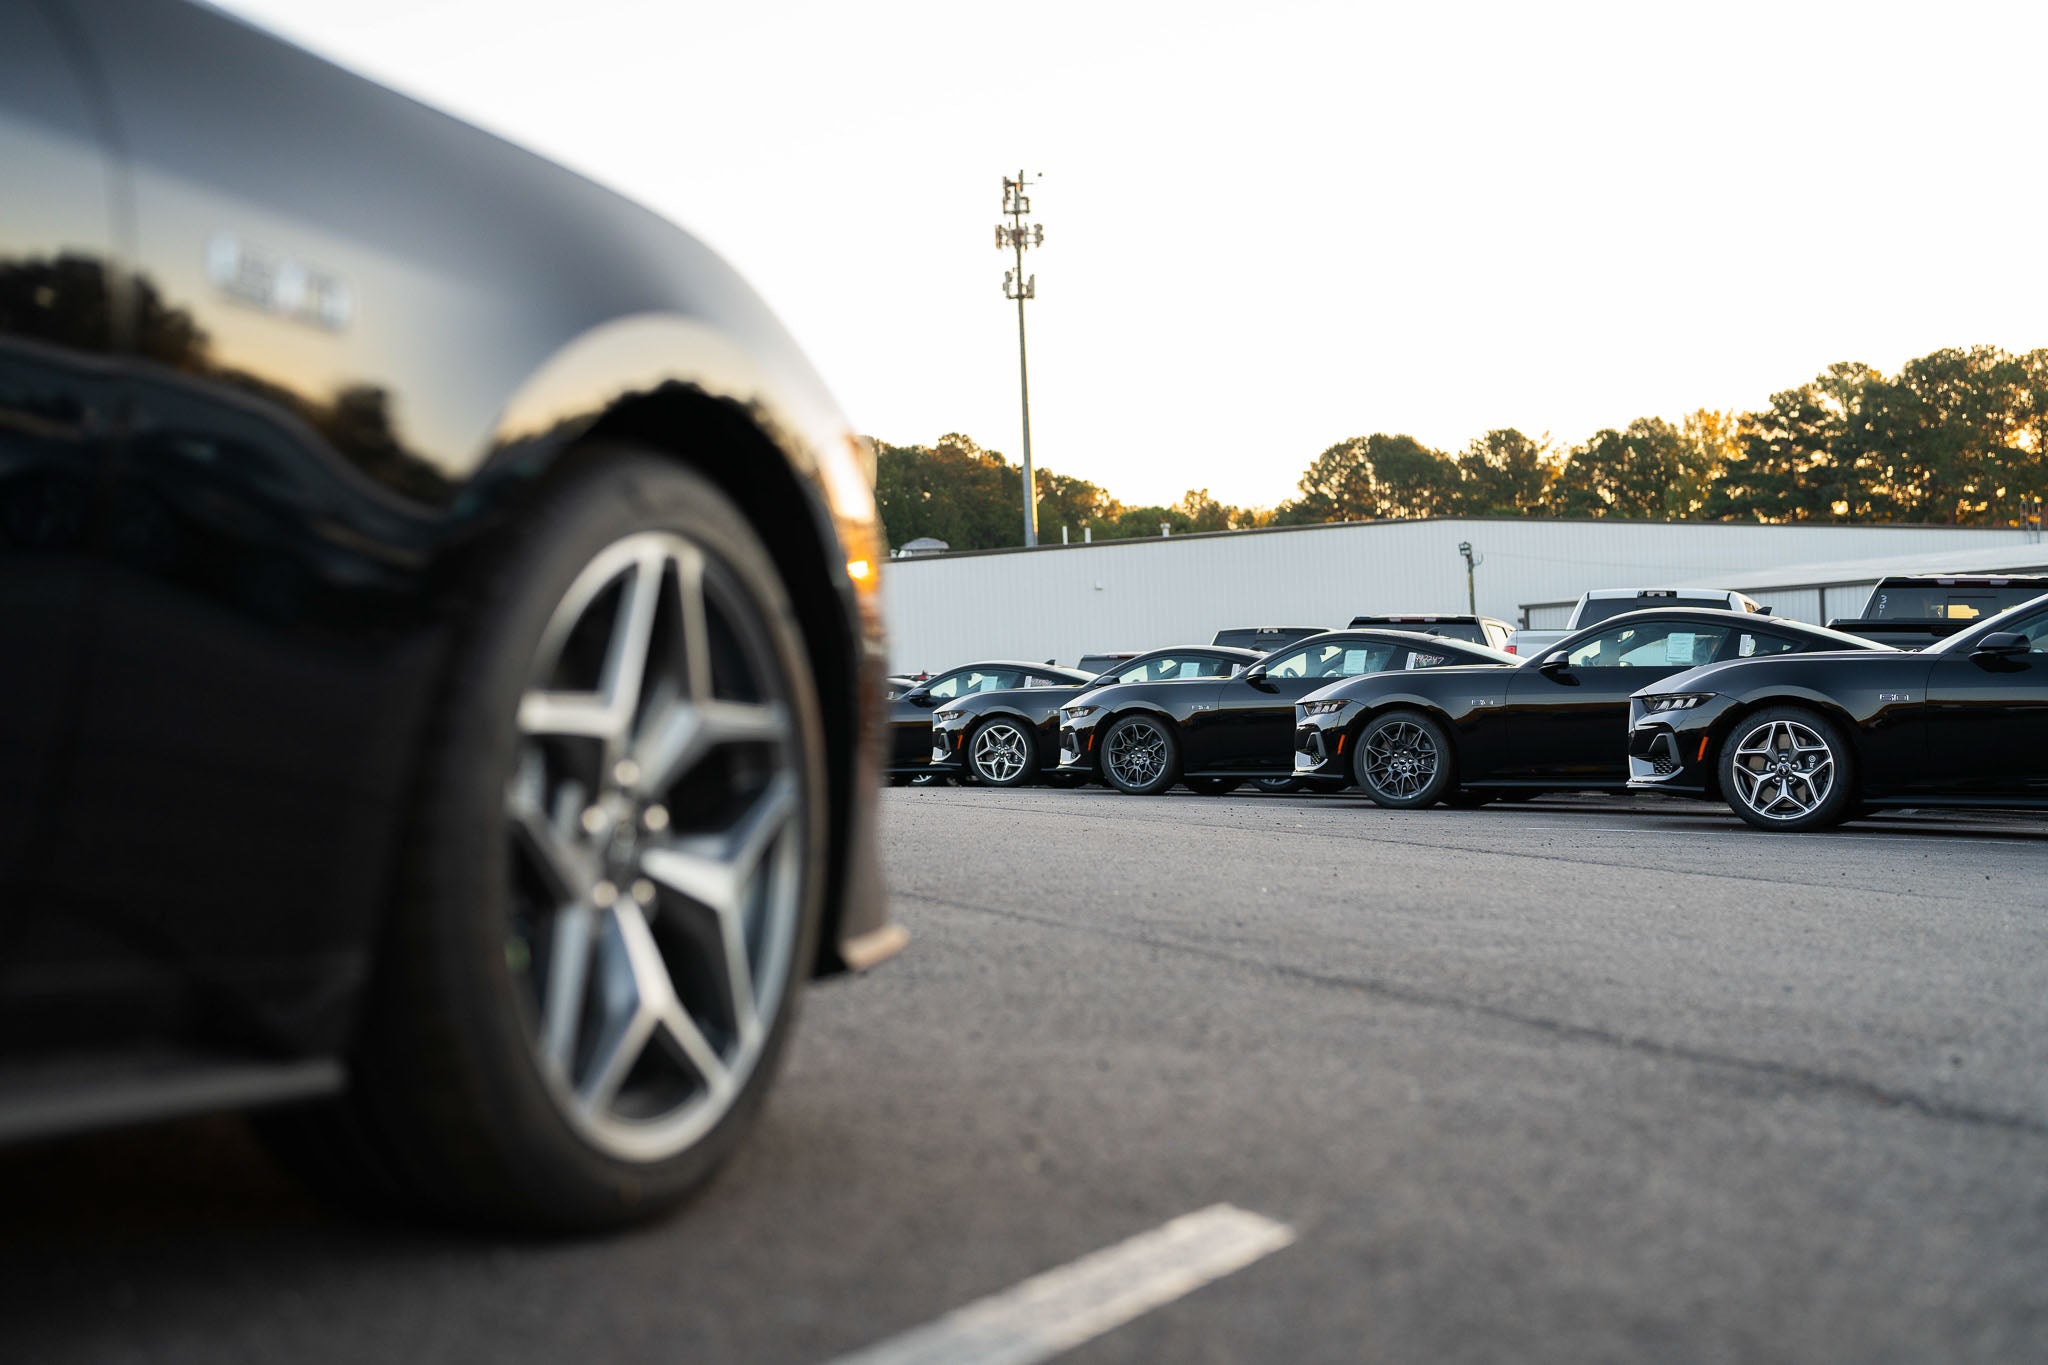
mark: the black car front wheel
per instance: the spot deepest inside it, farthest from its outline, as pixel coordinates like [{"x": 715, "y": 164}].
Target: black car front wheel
[
  {"x": 1002, "y": 754},
  {"x": 1140, "y": 755},
  {"x": 614, "y": 869},
  {"x": 1404, "y": 761},
  {"x": 1788, "y": 768}
]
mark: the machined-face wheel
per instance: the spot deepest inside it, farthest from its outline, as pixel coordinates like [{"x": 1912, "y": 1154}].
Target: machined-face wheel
[
  {"x": 1135, "y": 755},
  {"x": 1783, "y": 770},
  {"x": 656, "y": 827},
  {"x": 1000, "y": 753},
  {"x": 1400, "y": 759}
]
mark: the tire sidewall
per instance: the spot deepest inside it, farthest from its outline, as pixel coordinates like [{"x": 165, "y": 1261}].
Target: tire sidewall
[
  {"x": 1441, "y": 783},
  {"x": 1840, "y": 803},
  {"x": 1169, "y": 770}
]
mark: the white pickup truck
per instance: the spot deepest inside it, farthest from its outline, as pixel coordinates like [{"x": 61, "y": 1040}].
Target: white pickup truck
[{"x": 1601, "y": 603}]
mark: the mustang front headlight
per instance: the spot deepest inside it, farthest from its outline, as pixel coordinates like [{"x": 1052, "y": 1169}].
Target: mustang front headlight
[
  {"x": 1675, "y": 701},
  {"x": 1076, "y": 712},
  {"x": 948, "y": 715},
  {"x": 1321, "y": 708}
]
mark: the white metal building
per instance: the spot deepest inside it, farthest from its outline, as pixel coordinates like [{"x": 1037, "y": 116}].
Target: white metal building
[{"x": 1061, "y": 601}]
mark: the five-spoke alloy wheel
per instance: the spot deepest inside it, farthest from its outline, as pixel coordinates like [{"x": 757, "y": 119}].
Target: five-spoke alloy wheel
[
  {"x": 1001, "y": 753},
  {"x": 614, "y": 871},
  {"x": 1787, "y": 768}
]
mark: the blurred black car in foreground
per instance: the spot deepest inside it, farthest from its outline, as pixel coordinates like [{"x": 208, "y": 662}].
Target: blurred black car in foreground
[
  {"x": 910, "y": 712},
  {"x": 1557, "y": 722},
  {"x": 1801, "y": 742},
  {"x": 1006, "y": 739},
  {"x": 442, "y": 642},
  {"x": 1216, "y": 733}
]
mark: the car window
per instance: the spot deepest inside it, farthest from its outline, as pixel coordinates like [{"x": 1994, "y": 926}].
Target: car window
[
  {"x": 946, "y": 688},
  {"x": 1337, "y": 659},
  {"x": 1418, "y": 658},
  {"x": 1652, "y": 644},
  {"x": 1170, "y": 666},
  {"x": 993, "y": 680},
  {"x": 2036, "y": 631},
  {"x": 1756, "y": 646}
]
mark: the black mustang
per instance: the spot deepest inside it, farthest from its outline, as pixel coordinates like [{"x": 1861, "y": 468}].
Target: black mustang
[
  {"x": 442, "y": 637},
  {"x": 1005, "y": 739},
  {"x": 910, "y": 712},
  {"x": 1215, "y": 733},
  {"x": 1556, "y": 722},
  {"x": 1800, "y": 743}
]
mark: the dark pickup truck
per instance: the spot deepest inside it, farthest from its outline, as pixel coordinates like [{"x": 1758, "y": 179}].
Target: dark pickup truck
[{"x": 1912, "y": 612}]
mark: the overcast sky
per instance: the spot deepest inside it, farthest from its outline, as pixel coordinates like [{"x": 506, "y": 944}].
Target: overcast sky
[{"x": 1273, "y": 226}]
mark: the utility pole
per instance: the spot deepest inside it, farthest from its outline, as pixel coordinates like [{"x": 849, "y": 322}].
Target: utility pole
[
  {"x": 1016, "y": 285},
  {"x": 1471, "y": 590}
]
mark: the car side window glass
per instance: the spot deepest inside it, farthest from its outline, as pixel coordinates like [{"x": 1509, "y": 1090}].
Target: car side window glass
[
  {"x": 1756, "y": 646},
  {"x": 1427, "y": 659},
  {"x": 1295, "y": 665},
  {"x": 945, "y": 689},
  {"x": 1657, "y": 644},
  {"x": 1349, "y": 661}
]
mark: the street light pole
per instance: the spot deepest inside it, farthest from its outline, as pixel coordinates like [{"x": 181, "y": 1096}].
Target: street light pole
[
  {"x": 1471, "y": 588},
  {"x": 1016, "y": 285}
]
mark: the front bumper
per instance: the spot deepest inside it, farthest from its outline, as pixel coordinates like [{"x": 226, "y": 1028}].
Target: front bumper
[
  {"x": 949, "y": 748},
  {"x": 1672, "y": 751},
  {"x": 1321, "y": 743},
  {"x": 1077, "y": 747}
]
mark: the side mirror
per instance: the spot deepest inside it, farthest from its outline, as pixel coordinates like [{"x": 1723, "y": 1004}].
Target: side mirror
[
  {"x": 1556, "y": 661},
  {"x": 2001, "y": 644},
  {"x": 920, "y": 697},
  {"x": 1256, "y": 675}
]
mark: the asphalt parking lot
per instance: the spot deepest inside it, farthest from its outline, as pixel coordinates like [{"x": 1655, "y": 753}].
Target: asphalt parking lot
[{"x": 1568, "y": 1080}]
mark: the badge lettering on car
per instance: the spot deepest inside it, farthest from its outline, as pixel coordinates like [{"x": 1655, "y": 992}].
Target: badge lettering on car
[
  {"x": 278, "y": 284},
  {"x": 1885, "y": 697}
]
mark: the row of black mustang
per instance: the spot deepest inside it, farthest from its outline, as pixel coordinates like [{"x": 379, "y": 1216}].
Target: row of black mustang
[{"x": 1793, "y": 725}]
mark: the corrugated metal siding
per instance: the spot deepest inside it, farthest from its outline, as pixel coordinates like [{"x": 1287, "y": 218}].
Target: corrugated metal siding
[{"x": 1062, "y": 601}]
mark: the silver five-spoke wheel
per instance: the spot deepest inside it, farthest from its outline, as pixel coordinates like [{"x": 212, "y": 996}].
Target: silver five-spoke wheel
[
  {"x": 999, "y": 753},
  {"x": 1783, "y": 770},
  {"x": 656, "y": 828}
]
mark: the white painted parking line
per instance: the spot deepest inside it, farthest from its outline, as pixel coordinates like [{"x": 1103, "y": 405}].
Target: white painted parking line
[{"x": 1079, "y": 1301}]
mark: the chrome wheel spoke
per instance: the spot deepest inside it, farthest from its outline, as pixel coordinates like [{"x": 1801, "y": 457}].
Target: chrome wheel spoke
[
  {"x": 680, "y": 738},
  {"x": 1783, "y": 770}
]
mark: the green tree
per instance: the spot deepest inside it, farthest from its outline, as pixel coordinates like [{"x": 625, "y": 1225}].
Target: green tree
[
  {"x": 1371, "y": 477},
  {"x": 1504, "y": 474}
]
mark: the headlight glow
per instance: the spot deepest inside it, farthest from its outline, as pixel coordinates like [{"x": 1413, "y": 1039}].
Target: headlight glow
[
  {"x": 1675, "y": 701},
  {"x": 1321, "y": 708}
]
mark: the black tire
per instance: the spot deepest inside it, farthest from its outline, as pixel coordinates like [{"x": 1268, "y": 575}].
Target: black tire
[
  {"x": 1278, "y": 786},
  {"x": 1403, "y": 760},
  {"x": 1154, "y": 761},
  {"x": 1017, "y": 761},
  {"x": 450, "y": 1103},
  {"x": 1211, "y": 786},
  {"x": 1784, "y": 785}
]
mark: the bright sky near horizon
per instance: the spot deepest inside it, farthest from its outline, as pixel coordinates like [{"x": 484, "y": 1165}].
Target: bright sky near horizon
[{"x": 1270, "y": 227}]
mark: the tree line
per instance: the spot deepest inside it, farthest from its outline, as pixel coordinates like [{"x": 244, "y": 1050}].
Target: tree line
[{"x": 1958, "y": 437}]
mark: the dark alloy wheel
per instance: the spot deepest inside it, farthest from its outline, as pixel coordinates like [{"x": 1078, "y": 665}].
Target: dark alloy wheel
[
  {"x": 1140, "y": 756},
  {"x": 1786, "y": 768},
  {"x": 1404, "y": 761},
  {"x": 614, "y": 870},
  {"x": 1210, "y": 786},
  {"x": 1002, "y": 753}
]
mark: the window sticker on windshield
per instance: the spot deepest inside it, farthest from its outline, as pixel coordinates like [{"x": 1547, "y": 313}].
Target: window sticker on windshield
[{"x": 1678, "y": 647}]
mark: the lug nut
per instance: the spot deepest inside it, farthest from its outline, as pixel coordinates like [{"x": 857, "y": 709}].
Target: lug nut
[
  {"x": 593, "y": 819},
  {"x": 603, "y": 895},
  {"x": 626, "y": 773},
  {"x": 655, "y": 818},
  {"x": 643, "y": 891}
]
